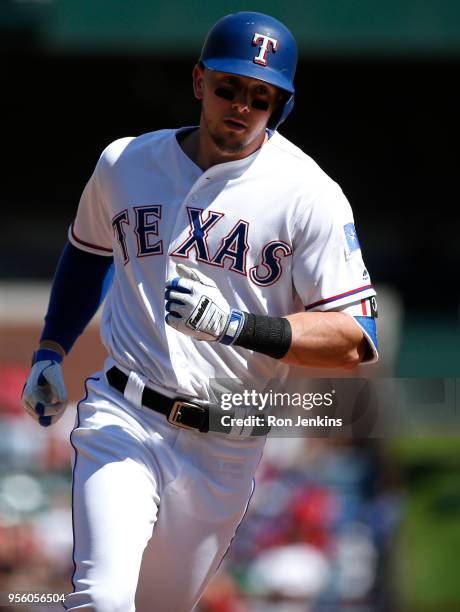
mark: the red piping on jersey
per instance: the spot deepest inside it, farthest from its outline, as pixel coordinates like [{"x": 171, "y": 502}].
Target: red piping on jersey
[
  {"x": 363, "y": 306},
  {"x": 338, "y": 296},
  {"x": 88, "y": 244}
]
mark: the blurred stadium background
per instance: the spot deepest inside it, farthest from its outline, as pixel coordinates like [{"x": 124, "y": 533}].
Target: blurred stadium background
[{"x": 357, "y": 525}]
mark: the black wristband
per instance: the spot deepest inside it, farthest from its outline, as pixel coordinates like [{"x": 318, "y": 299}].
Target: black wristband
[{"x": 268, "y": 335}]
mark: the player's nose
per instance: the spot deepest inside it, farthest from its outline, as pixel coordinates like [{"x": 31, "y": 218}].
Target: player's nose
[{"x": 241, "y": 101}]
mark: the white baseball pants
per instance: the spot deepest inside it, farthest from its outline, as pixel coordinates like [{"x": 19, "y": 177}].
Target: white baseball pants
[{"x": 155, "y": 506}]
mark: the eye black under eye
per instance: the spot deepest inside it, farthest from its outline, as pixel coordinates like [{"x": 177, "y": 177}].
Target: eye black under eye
[
  {"x": 226, "y": 94},
  {"x": 260, "y": 105}
]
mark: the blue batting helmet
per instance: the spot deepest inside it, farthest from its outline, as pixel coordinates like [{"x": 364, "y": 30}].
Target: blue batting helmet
[{"x": 258, "y": 46}]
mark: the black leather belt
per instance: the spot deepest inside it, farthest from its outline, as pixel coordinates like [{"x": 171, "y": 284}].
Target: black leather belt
[{"x": 179, "y": 412}]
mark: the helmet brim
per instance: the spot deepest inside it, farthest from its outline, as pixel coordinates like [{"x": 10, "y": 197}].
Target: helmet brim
[{"x": 249, "y": 69}]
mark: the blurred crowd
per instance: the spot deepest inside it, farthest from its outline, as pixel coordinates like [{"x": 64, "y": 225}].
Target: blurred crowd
[
  {"x": 35, "y": 498},
  {"x": 318, "y": 535}
]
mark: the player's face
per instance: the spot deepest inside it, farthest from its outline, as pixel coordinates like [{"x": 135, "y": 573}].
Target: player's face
[{"x": 235, "y": 110}]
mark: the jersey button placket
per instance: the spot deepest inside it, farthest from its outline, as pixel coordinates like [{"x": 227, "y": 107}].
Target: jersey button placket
[{"x": 191, "y": 199}]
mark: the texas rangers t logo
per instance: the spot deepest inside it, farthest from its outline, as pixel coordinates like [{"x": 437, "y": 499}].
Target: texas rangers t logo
[{"x": 266, "y": 41}]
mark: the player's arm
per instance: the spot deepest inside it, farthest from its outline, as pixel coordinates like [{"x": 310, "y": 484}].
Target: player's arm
[
  {"x": 196, "y": 307},
  {"x": 80, "y": 284},
  {"x": 82, "y": 278},
  {"x": 325, "y": 340},
  {"x": 348, "y": 334}
]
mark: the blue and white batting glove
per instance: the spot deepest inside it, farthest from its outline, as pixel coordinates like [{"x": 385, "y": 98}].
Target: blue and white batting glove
[
  {"x": 196, "y": 307},
  {"x": 44, "y": 395}
]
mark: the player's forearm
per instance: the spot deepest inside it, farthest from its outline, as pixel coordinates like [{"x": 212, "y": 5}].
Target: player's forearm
[{"x": 324, "y": 340}]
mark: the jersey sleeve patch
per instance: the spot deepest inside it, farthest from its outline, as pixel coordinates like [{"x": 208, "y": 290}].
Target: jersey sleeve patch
[
  {"x": 87, "y": 246},
  {"x": 351, "y": 240}
]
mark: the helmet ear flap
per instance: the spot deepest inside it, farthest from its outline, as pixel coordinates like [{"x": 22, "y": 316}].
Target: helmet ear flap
[{"x": 283, "y": 108}]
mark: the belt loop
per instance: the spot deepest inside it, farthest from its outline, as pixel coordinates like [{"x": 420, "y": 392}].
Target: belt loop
[{"x": 134, "y": 388}]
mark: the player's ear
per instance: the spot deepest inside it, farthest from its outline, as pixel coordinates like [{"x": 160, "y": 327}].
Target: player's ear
[{"x": 198, "y": 76}]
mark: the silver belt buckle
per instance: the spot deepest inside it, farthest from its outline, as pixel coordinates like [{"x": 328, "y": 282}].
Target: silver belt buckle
[{"x": 176, "y": 414}]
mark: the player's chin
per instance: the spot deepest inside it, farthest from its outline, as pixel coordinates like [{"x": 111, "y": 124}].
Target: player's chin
[{"x": 229, "y": 142}]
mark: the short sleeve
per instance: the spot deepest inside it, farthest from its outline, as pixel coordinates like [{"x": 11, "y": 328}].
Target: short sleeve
[
  {"x": 328, "y": 267},
  {"x": 91, "y": 230}
]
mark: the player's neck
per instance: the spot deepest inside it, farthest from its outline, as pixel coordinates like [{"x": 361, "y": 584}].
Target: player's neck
[{"x": 200, "y": 148}]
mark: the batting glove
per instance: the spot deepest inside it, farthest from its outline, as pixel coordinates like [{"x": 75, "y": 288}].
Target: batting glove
[
  {"x": 44, "y": 395},
  {"x": 196, "y": 307}
]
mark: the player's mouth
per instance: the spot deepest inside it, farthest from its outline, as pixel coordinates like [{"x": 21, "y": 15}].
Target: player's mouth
[{"x": 235, "y": 124}]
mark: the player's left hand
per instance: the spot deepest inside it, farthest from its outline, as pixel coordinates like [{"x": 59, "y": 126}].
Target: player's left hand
[{"x": 195, "y": 306}]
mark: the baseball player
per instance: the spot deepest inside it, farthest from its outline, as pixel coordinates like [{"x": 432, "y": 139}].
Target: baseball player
[{"x": 232, "y": 255}]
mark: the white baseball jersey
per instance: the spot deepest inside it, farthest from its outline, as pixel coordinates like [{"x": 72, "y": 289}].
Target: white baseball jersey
[{"x": 272, "y": 230}]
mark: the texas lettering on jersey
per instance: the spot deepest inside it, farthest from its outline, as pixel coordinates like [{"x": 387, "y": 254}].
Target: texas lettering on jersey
[{"x": 234, "y": 246}]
